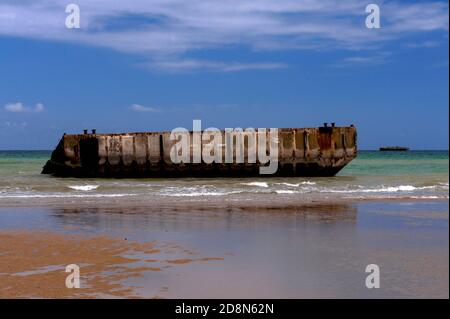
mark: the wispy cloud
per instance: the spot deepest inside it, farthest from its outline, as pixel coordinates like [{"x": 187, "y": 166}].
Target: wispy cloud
[
  {"x": 371, "y": 59},
  {"x": 15, "y": 124},
  {"x": 141, "y": 108},
  {"x": 424, "y": 44},
  {"x": 21, "y": 108},
  {"x": 179, "y": 28},
  {"x": 195, "y": 65}
]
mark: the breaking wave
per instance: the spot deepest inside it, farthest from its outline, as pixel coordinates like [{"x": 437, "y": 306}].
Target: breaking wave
[
  {"x": 83, "y": 187},
  {"x": 297, "y": 184},
  {"x": 196, "y": 194},
  {"x": 285, "y": 191},
  {"x": 383, "y": 189},
  {"x": 259, "y": 184},
  {"x": 248, "y": 191}
]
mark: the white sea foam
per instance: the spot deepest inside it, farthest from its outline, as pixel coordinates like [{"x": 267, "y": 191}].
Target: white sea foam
[
  {"x": 285, "y": 191},
  {"x": 392, "y": 189},
  {"x": 383, "y": 189},
  {"x": 429, "y": 197},
  {"x": 196, "y": 194},
  {"x": 259, "y": 184},
  {"x": 83, "y": 187},
  {"x": 443, "y": 185},
  {"x": 297, "y": 184}
]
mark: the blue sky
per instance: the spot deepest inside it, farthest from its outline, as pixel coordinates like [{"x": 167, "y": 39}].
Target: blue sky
[{"x": 156, "y": 65}]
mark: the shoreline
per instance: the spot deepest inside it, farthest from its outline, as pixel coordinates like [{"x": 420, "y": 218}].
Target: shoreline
[
  {"x": 205, "y": 204},
  {"x": 302, "y": 250}
]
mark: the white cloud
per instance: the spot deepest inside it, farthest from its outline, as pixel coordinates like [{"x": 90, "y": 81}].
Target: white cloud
[
  {"x": 177, "y": 28},
  {"x": 141, "y": 108},
  {"x": 16, "y": 107},
  {"x": 363, "y": 60},
  {"x": 369, "y": 60},
  {"x": 20, "y": 108},
  {"x": 193, "y": 65}
]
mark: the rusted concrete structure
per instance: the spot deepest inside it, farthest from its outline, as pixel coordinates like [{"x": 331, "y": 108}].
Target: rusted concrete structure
[{"x": 322, "y": 151}]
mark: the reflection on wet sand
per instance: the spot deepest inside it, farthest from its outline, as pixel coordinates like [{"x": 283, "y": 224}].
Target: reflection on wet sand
[
  {"x": 32, "y": 264},
  {"x": 203, "y": 218},
  {"x": 239, "y": 251}
]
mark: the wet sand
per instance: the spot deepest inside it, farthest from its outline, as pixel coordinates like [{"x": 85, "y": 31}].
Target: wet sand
[
  {"x": 33, "y": 263},
  {"x": 313, "y": 250}
]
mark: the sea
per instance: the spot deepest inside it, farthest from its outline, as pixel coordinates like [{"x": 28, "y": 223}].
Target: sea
[{"x": 372, "y": 175}]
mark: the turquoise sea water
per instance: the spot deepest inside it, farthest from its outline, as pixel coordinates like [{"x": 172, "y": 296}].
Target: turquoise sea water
[{"x": 373, "y": 174}]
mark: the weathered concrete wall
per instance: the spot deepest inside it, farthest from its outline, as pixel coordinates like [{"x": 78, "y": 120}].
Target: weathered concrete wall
[{"x": 319, "y": 151}]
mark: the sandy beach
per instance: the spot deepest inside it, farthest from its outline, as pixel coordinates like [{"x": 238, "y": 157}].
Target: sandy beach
[{"x": 315, "y": 250}]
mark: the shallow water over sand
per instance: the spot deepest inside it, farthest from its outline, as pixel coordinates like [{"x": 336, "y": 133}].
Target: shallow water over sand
[{"x": 299, "y": 252}]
